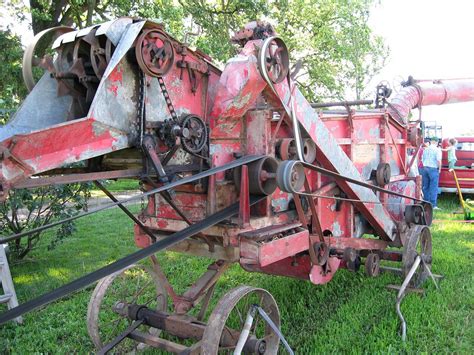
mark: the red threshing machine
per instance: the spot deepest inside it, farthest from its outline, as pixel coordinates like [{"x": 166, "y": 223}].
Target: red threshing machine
[{"x": 237, "y": 166}]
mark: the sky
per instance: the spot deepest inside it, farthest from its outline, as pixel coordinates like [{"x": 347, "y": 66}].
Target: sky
[{"x": 428, "y": 39}]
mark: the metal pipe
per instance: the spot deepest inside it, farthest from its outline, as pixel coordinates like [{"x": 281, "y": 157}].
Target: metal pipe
[{"x": 426, "y": 93}]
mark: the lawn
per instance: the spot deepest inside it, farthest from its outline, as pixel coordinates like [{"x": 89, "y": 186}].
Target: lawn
[{"x": 351, "y": 314}]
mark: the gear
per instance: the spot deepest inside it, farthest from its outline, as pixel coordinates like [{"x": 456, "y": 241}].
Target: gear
[{"x": 193, "y": 134}]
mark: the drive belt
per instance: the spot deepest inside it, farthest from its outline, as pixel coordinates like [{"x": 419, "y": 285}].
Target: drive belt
[
  {"x": 171, "y": 185},
  {"x": 118, "y": 265}
]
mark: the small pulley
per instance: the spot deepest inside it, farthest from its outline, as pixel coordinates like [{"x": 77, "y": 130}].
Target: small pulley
[
  {"x": 383, "y": 174},
  {"x": 290, "y": 176},
  {"x": 193, "y": 134},
  {"x": 154, "y": 52},
  {"x": 421, "y": 214},
  {"x": 273, "y": 60}
]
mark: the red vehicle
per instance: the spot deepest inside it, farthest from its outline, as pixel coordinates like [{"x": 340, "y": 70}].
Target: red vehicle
[{"x": 464, "y": 166}]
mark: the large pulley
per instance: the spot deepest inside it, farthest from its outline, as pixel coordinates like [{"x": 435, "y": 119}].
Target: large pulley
[
  {"x": 36, "y": 54},
  {"x": 273, "y": 60},
  {"x": 418, "y": 243},
  {"x": 261, "y": 175},
  {"x": 154, "y": 51}
]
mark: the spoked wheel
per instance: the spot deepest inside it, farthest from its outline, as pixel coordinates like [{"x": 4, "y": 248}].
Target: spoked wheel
[
  {"x": 274, "y": 62},
  {"x": 227, "y": 320},
  {"x": 418, "y": 242},
  {"x": 154, "y": 52},
  {"x": 134, "y": 284}
]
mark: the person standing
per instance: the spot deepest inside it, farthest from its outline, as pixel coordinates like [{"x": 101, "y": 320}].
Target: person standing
[
  {"x": 451, "y": 149},
  {"x": 419, "y": 157},
  {"x": 430, "y": 172}
]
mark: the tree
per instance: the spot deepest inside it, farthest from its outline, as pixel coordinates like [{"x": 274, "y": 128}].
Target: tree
[
  {"x": 339, "y": 51},
  {"x": 28, "y": 209},
  {"x": 12, "y": 89}
]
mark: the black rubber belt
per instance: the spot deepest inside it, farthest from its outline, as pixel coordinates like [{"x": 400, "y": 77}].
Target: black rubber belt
[
  {"x": 118, "y": 265},
  {"x": 186, "y": 180},
  {"x": 358, "y": 182}
]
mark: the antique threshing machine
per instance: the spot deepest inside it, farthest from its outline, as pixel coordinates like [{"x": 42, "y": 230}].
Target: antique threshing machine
[{"x": 237, "y": 166}]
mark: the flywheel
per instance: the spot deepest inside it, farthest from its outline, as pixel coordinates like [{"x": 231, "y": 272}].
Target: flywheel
[{"x": 154, "y": 51}]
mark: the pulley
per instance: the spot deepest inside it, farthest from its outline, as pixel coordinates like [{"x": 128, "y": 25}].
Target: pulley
[
  {"x": 383, "y": 174},
  {"x": 274, "y": 62},
  {"x": 193, "y": 134},
  {"x": 290, "y": 176},
  {"x": 155, "y": 53},
  {"x": 31, "y": 59},
  {"x": 262, "y": 176}
]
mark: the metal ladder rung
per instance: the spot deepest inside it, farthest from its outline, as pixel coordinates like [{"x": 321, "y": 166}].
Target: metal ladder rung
[{"x": 5, "y": 298}]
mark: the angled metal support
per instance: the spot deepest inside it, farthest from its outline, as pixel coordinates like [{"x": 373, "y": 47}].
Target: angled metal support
[{"x": 126, "y": 210}]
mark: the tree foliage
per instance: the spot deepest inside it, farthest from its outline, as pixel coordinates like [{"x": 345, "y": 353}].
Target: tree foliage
[
  {"x": 29, "y": 209},
  {"x": 12, "y": 89},
  {"x": 340, "y": 53}
]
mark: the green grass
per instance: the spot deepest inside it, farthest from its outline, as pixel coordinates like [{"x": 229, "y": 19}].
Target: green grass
[
  {"x": 351, "y": 314},
  {"x": 116, "y": 186}
]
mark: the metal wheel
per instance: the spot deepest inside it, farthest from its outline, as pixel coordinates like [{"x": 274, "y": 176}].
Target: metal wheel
[
  {"x": 274, "y": 62},
  {"x": 134, "y": 284},
  {"x": 349, "y": 255},
  {"x": 290, "y": 176},
  {"x": 262, "y": 174},
  {"x": 227, "y": 320},
  {"x": 154, "y": 52},
  {"x": 309, "y": 150},
  {"x": 100, "y": 52},
  {"x": 418, "y": 242},
  {"x": 287, "y": 149},
  {"x": 193, "y": 134},
  {"x": 383, "y": 174},
  {"x": 413, "y": 214},
  {"x": 42, "y": 41},
  {"x": 372, "y": 265}
]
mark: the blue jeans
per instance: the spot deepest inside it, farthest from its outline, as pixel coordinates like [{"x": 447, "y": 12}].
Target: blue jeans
[{"x": 430, "y": 181}]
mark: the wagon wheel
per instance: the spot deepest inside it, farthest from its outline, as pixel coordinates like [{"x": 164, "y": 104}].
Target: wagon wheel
[
  {"x": 134, "y": 284},
  {"x": 227, "y": 320},
  {"x": 372, "y": 265},
  {"x": 418, "y": 242}
]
